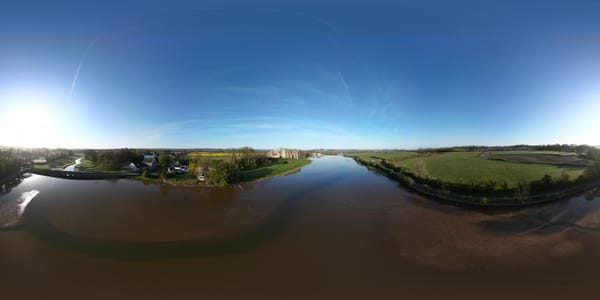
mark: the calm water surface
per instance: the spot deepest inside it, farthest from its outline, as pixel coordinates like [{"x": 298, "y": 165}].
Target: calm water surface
[{"x": 332, "y": 230}]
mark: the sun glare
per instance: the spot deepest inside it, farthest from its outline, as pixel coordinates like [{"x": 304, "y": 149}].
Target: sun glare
[
  {"x": 585, "y": 121},
  {"x": 30, "y": 120}
]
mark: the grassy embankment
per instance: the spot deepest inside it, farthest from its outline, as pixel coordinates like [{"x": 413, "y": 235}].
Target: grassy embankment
[
  {"x": 285, "y": 165},
  {"x": 500, "y": 171}
]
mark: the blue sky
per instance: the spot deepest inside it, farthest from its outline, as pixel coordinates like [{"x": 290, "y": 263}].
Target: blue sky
[{"x": 326, "y": 74}]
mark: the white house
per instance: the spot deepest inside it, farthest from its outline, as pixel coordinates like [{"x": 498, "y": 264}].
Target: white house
[{"x": 150, "y": 161}]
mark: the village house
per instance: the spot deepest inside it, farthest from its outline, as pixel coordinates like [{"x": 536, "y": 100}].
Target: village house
[{"x": 150, "y": 161}]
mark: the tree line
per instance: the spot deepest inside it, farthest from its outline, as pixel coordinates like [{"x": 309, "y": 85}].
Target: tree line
[
  {"x": 12, "y": 160},
  {"x": 580, "y": 149},
  {"x": 112, "y": 158}
]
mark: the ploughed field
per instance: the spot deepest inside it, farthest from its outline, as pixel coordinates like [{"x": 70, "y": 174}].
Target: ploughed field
[
  {"x": 503, "y": 167},
  {"x": 539, "y": 157}
]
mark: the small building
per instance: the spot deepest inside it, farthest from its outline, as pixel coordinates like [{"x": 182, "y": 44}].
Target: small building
[
  {"x": 149, "y": 162},
  {"x": 285, "y": 153},
  {"x": 133, "y": 167},
  {"x": 150, "y": 156}
]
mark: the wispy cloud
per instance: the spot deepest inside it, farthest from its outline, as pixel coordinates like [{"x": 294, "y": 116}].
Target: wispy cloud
[
  {"x": 348, "y": 97},
  {"x": 84, "y": 56},
  {"x": 253, "y": 131}
]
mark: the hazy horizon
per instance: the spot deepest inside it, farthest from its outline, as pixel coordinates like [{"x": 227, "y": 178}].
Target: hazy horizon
[
  {"x": 307, "y": 75},
  {"x": 300, "y": 148}
]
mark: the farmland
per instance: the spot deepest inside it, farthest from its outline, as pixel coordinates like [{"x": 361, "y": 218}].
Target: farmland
[
  {"x": 537, "y": 157},
  {"x": 208, "y": 154},
  {"x": 506, "y": 168},
  {"x": 393, "y": 156},
  {"x": 216, "y": 154}
]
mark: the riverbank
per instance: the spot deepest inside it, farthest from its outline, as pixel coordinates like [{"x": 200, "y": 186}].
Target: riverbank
[
  {"x": 505, "y": 201},
  {"x": 289, "y": 166},
  {"x": 10, "y": 178},
  {"x": 323, "y": 223},
  {"x": 188, "y": 181},
  {"x": 246, "y": 177},
  {"x": 80, "y": 175}
]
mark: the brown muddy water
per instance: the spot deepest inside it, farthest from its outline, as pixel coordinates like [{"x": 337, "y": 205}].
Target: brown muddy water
[{"x": 334, "y": 230}]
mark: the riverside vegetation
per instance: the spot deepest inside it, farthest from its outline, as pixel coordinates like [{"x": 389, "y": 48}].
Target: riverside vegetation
[
  {"x": 481, "y": 175},
  {"x": 220, "y": 167}
]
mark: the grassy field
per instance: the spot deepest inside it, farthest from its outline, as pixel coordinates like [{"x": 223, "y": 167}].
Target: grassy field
[
  {"x": 208, "y": 154},
  {"x": 270, "y": 171},
  {"x": 467, "y": 167},
  {"x": 58, "y": 163},
  {"x": 392, "y": 156},
  {"x": 212, "y": 154},
  {"x": 90, "y": 166}
]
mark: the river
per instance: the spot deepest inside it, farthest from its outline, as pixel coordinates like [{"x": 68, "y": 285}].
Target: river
[
  {"x": 72, "y": 167},
  {"x": 334, "y": 230}
]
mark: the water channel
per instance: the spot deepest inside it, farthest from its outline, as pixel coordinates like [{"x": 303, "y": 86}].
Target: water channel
[{"x": 332, "y": 230}]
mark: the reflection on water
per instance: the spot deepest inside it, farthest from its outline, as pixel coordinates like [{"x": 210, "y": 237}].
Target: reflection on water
[
  {"x": 335, "y": 228},
  {"x": 11, "y": 212}
]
